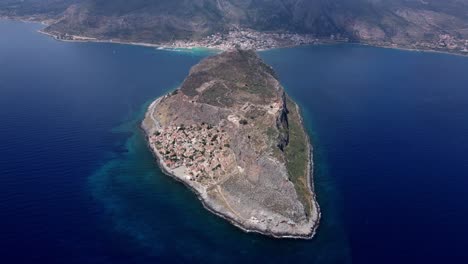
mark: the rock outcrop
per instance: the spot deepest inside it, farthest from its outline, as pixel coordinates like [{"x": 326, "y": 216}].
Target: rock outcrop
[{"x": 233, "y": 136}]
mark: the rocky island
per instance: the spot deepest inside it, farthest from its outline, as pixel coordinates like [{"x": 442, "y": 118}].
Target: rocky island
[{"x": 232, "y": 135}]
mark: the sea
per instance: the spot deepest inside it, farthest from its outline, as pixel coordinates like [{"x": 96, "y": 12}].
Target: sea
[{"x": 78, "y": 184}]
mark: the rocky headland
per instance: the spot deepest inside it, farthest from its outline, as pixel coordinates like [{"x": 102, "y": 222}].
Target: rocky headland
[{"x": 232, "y": 135}]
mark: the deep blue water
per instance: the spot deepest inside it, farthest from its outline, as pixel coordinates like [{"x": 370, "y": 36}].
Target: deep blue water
[
  {"x": 78, "y": 185},
  {"x": 392, "y": 127}
]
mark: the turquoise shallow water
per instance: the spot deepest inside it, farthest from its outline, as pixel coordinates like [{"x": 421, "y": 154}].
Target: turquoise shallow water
[
  {"x": 164, "y": 217},
  {"x": 78, "y": 184}
]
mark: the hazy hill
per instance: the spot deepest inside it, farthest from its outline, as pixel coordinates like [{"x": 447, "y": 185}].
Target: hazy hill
[{"x": 34, "y": 7}]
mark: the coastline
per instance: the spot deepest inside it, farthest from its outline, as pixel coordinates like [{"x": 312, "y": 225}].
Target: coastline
[
  {"x": 216, "y": 50},
  {"x": 194, "y": 47},
  {"x": 205, "y": 201},
  {"x": 83, "y": 39},
  {"x": 310, "y": 178},
  {"x": 411, "y": 49}
]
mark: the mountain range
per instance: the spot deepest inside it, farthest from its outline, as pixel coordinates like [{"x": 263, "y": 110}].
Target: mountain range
[{"x": 421, "y": 24}]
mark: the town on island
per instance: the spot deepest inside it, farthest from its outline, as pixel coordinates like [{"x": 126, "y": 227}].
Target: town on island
[{"x": 198, "y": 150}]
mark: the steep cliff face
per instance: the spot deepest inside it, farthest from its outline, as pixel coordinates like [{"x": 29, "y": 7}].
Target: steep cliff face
[
  {"x": 282, "y": 124},
  {"x": 233, "y": 150}
]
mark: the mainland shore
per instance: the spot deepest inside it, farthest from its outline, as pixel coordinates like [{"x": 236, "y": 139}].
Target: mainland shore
[
  {"x": 189, "y": 45},
  {"x": 293, "y": 40}
]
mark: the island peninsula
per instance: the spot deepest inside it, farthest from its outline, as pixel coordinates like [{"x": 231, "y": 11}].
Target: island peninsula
[{"x": 232, "y": 134}]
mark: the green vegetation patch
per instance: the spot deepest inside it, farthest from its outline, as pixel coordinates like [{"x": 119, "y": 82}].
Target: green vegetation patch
[{"x": 297, "y": 157}]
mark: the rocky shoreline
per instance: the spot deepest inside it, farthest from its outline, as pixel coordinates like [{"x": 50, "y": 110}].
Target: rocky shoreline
[
  {"x": 310, "y": 177},
  {"x": 209, "y": 205}
]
